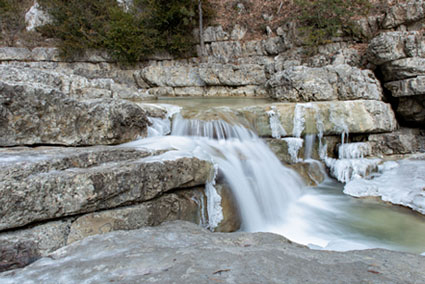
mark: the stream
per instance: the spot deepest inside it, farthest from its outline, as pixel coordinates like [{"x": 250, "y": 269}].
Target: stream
[{"x": 270, "y": 196}]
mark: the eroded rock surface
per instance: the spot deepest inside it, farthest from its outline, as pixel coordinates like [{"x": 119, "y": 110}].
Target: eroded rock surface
[
  {"x": 47, "y": 184},
  {"x": 334, "y": 82},
  {"x": 166, "y": 254},
  {"x": 40, "y": 115}
]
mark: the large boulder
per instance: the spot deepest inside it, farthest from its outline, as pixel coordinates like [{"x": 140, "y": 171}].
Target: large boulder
[
  {"x": 333, "y": 82},
  {"x": 31, "y": 115},
  {"x": 392, "y": 46},
  {"x": 45, "y": 184},
  {"x": 181, "y": 252}
]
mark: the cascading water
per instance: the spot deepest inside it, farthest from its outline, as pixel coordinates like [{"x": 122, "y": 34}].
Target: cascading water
[
  {"x": 262, "y": 187},
  {"x": 272, "y": 197}
]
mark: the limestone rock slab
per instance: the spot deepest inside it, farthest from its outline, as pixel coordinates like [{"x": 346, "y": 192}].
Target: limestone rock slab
[
  {"x": 333, "y": 82},
  {"x": 45, "y": 184},
  {"x": 392, "y": 46},
  {"x": 408, "y": 87},
  {"x": 232, "y": 75},
  {"x": 166, "y": 254},
  {"x": 329, "y": 118},
  {"x": 403, "y": 69},
  {"x": 181, "y": 205},
  {"x": 38, "y": 115}
]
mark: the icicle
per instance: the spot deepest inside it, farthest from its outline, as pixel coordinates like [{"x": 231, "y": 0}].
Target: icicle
[
  {"x": 277, "y": 129},
  {"x": 294, "y": 145},
  {"x": 214, "y": 209}
]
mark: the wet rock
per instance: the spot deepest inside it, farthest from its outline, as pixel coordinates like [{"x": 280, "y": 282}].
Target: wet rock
[
  {"x": 165, "y": 254},
  {"x": 313, "y": 172},
  {"x": 334, "y": 82},
  {"x": 181, "y": 205},
  {"x": 231, "y": 217},
  {"x": 38, "y": 115},
  {"x": 45, "y": 184}
]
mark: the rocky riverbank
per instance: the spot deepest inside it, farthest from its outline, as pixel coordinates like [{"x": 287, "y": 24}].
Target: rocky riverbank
[
  {"x": 64, "y": 178},
  {"x": 185, "y": 253}
]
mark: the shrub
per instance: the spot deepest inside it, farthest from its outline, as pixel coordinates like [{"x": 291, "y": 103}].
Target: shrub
[
  {"x": 149, "y": 26},
  {"x": 321, "y": 20},
  {"x": 11, "y": 19}
]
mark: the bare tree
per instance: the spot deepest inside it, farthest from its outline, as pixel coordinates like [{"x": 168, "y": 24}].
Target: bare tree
[{"x": 201, "y": 29}]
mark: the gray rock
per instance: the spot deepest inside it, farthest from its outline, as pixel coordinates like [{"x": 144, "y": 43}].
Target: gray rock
[
  {"x": 412, "y": 110},
  {"x": 330, "y": 118},
  {"x": 404, "y": 13},
  {"x": 45, "y": 184},
  {"x": 13, "y": 53},
  {"x": 184, "y": 253},
  {"x": 182, "y": 205},
  {"x": 224, "y": 51},
  {"x": 403, "y": 69},
  {"x": 401, "y": 141},
  {"x": 33, "y": 115},
  {"x": 36, "y": 17},
  {"x": 232, "y": 75},
  {"x": 238, "y": 32},
  {"x": 274, "y": 45},
  {"x": 170, "y": 76},
  {"x": 408, "y": 87},
  {"x": 391, "y": 46},
  {"x": 21, "y": 247},
  {"x": 343, "y": 82},
  {"x": 216, "y": 33}
]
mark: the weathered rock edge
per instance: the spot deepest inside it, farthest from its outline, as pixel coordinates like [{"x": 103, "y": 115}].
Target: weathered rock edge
[
  {"x": 181, "y": 252},
  {"x": 40, "y": 187},
  {"x": 31, "y": 115}
]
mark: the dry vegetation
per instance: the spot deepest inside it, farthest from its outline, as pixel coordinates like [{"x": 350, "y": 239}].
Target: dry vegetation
[{"x": 256, "y": 15}]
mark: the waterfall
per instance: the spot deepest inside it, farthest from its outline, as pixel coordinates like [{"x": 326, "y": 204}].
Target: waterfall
[
  {"x": 263, "y": 188},
  {"x": 272, "y": 198}
]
